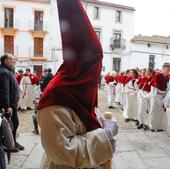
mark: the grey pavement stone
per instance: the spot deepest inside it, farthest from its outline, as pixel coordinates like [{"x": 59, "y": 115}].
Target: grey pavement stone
[
  {"x": 128, "y": 160},
  {"x": 16, "y": 161},
  {"x": 144, "y": 146},
  {"x": 158, "y": 163},
  {"x": 30, "y": 158},
  {"x": 123, "y": 144},
  {"x": 28, "y": 141},
  {"x": 162, "y": 140},
  {"x": 31, "y": 163}
]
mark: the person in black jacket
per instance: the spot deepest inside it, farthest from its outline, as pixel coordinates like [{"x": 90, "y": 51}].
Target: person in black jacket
[
  {"x": 9, "y": 94},
  {"x": 48, "y": 77}
]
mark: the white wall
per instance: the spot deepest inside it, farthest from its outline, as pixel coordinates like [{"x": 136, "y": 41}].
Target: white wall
[
  {"x": 108, "y": 25},
  {"x": 140, "y": 55}
]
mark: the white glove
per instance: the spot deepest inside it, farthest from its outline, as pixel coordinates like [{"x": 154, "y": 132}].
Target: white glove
[{"x": 110, "y": 127}]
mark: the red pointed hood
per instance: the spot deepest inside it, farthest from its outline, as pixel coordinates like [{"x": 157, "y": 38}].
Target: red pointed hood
[{"x": 75, "y": 84}]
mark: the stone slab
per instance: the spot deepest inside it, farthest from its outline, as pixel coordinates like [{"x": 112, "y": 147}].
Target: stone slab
[
  {"x": 145, "y": 146},
  {"x": 128, "y": 160}
]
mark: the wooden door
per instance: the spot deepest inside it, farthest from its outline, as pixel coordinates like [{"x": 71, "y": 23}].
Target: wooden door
[
  {"x": 9, "y": 44},
  {"x": 38, "y": 69},
  {"x": 38, "y": 47}
]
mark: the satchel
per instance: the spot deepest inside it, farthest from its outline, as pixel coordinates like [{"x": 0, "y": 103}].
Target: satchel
[{"x": 7, "y": 136}]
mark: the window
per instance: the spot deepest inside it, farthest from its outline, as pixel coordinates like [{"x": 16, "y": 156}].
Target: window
[
  {"x": 116, "y": 64},
  {"x": 38, "y": 20},
  {"x": 38, "y": 47},
  {"x": 96, "y": 12},
  {"x": 118, "y": 16},
  {"x": 117, "y": 39},
  {"x": 9, "y": 44},
  {"x": 8, "y": 18},
  {"x": 98, "y": 33},
  {"x": 152, "y": 61}
]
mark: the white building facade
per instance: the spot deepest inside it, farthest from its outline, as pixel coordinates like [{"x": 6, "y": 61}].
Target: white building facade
[
  {"x": 149, "y": 51},
  {"x": 29, "y": 29},
  {"x": 114, "y": 25}
]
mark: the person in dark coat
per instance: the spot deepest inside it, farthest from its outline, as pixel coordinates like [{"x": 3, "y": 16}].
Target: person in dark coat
[
  {"x": 41, "y": 82},
  {"x": 9, "y": 94},
  {"x": 48, "y": 77}
]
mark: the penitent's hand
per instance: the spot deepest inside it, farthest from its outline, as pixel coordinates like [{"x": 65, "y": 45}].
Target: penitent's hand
[
  {"x": 110, "y": 127},
  {"x": 9, "y": 111}
]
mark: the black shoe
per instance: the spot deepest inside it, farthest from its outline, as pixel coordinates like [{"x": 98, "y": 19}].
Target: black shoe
[
  {"x": 19, "y": 146},
  {"x": 35, "y": 131},
  {"x": 111, "y": 107},
  {"x": 127, "y": 120},
  {"x": 23, "y": 110},
  {"x": 153, "y": 130},
  {"x": 140, "y": 126},
  {"x": 145, "y": 127},
  {"x": 29, "y": 108},
  {"x": 13, "y": 150},
  {"x": 160, "y": 130},
  {"x": 136, "y": 122}
]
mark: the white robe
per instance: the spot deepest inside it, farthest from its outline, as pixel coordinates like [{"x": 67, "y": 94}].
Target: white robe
[
  {"x": 157, "y": 116},
  {"x": 117, "y": 93},
  {"x": 130, "y": 108},
  {"x": 66, "y": 142},
  {"x": 143, "y": 107},
  {"x": 167, "y": 97},
  {"x": 110, "y": 93},
  {"x": 27, "y": 94}
]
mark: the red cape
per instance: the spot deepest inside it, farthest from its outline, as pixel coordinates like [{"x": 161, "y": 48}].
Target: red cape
[
  {"x": 109, "y": 78},
  {"x": 160, "y": 81}
]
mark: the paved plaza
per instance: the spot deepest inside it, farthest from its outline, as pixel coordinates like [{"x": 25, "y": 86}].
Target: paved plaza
[{"x": 135, "y": 149}]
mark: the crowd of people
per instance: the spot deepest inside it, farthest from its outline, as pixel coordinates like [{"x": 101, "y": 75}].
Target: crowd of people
[
  {"x": 144, "y": 95},
  {"x": 19, "y": 91},
  {"x": 31, "y": 86}
]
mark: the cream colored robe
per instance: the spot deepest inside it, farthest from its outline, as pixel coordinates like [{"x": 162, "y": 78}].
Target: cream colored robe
[
  {"x": 27, "y": 93},
  {"x": 143, "y": 107},
  {"x": 66, "y": 142},
  {"x": 158, "y": 118},
  {"x": 110, "y": 93},
  {"x": 130, "y": 108}
]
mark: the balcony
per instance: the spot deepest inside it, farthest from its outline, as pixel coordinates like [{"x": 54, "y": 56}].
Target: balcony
[
  {"x": 117, "y": 43},
  {"x": 39, "y": 57},
  {"x": 9, "y": 28},
  {"x": 38, "y": 29}
]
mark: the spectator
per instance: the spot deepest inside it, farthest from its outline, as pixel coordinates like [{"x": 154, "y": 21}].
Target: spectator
[
  {"x": 44, "y": 72},
  {"x": 48, "y": 77},
  {"x": 9, "y": 94}
]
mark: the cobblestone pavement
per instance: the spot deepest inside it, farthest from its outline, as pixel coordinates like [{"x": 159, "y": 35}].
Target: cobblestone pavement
[{"x": 136, "y": 149}]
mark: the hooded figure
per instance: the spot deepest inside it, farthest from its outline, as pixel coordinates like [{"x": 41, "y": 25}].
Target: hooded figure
[{"x": 71, "y": 134}]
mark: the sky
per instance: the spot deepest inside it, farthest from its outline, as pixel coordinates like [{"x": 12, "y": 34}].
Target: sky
[{"x": 152, "y": 17}]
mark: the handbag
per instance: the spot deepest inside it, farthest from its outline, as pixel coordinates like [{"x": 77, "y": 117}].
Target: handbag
[{"x": 6, "y": 135}]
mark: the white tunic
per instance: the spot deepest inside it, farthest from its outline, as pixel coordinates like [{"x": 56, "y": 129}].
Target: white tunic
[
  {"x": 143, "y": 107},
  {"x": 158, "y": 116},
  {"x": 130, "y": 108},
  {"x": 167, "y": 97},
  {"x": 117, "y": 93},
  {"x": 27, "y": 93},
  {"x": 110, "y": 93}
]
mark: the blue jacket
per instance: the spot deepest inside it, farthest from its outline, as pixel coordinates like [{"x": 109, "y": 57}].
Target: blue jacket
[{"x": 9, "y": 89}]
